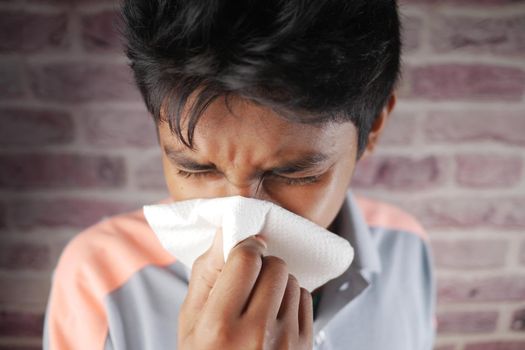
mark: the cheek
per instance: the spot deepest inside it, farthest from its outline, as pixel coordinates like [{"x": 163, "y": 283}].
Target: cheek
[{"x": 319, "y": 202}]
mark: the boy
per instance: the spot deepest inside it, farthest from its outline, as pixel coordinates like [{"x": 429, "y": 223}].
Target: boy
[{"x": 275, "y": 100}]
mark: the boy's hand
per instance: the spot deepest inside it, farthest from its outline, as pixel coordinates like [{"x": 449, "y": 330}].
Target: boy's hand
[{"x": 249, "y": 302}]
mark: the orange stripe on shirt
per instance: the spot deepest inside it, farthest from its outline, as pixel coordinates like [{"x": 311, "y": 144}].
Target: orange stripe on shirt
[
  {"x": 379, "y": 214},
  {"x": 93, "y": 264}
]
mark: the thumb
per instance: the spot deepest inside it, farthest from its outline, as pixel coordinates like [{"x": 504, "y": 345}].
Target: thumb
[{"x": 204, "y": 273}]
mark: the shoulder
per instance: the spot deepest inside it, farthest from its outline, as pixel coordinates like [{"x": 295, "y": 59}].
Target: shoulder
[
  {"x": 93, "y": 264},
  {"x": 109, "y": 252},
  {"x": 406, "y": 262},
  {"x": 383, "y": 215}
]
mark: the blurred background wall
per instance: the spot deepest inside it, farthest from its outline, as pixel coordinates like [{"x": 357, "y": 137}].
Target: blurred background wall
[{"x": 76, "y": 144}]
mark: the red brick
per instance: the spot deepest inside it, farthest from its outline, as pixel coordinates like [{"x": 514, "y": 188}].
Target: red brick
[
  {"x": 400, "y": 129},
  {"x": 100, "y": 31},
  {"x": 29, "y": 171},
  {"x": 485, "y": 170},
  {"x": 469, "y": 254},
  {"x": 412, "y": 28},
  {"x": 461, "y": 322},
  {"x": 24, "y": 256},
  {"x": 34, "y": 127},
  {"x": 59, "y": 244},
  {"x": 11, "y": 84},
  {"x": 518, "y": 320},
  {"x": 470, "y": 126},
  {"x": 398, "y": 172},
  {"x": 29, "y": 32},
  {"x": 499, "y": 212},
  {"x": 500, "y": 288},
  {"x": 27, "y": 292},
  {"x": 471, "y": 82},
  {"x": 522, "y": 254},
  {"x": 119, "y": 128},
  {"x": 479, "y": 35},
  {"x": 497, "y": 345},
  {"x": 83, "y": 82},
  {"x": 13, "y": 323},
  {"x": 63, "y": 212},
  {"x": 149, "y": 174},
  {"x": 445, "y": 347},
  {"x": 3, "y": 216}
]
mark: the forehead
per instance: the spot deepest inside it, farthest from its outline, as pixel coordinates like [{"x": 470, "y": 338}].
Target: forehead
[{"x": 244, "y": 130}]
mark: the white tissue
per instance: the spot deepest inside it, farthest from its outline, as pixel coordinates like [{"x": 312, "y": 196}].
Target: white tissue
[{"x": 186, "y": 229}]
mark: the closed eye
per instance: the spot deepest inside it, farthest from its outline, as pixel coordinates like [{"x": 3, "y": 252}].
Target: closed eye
[
  {"x": 297, "y": 180},
  {"x": 287, "y": 180},
  {"x": 188, "y": 174}
]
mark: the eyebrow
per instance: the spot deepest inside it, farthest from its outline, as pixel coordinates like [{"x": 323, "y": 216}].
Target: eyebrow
[
  {"x": 304, "y": 163},
  {"x": 186, "y": 162}
]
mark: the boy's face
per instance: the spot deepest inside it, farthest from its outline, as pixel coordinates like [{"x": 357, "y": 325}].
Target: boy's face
[{"x": 304, "y": 168}]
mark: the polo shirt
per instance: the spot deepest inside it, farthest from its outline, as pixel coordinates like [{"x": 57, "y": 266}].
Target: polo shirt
[{"x": 115, "y": 287}]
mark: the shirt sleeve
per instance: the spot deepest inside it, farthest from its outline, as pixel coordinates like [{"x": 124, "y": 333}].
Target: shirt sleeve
[
  {"x": 93, "y": 265},
  {"x": 75, "y": 316}
]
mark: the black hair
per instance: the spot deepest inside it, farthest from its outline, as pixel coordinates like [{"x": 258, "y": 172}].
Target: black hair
[{"x": 312, "y": 61}]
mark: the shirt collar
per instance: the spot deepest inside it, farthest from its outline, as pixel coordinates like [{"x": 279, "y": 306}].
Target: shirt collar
[
  {"x": 337, "y": 293},
  {"x": 352, "y": 226}
]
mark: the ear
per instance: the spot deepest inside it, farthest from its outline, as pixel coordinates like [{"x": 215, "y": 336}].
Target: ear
[{"x": 379, "y": 124}]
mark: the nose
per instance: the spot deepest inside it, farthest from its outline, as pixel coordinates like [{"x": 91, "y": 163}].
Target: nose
[{"x": 253, "y": 189}]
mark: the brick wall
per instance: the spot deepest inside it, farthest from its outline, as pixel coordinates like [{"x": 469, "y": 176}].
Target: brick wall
[{"x": 76, "y": 144}]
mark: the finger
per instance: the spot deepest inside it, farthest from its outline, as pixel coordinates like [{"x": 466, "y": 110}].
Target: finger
[
  {"x": 204, "y": 274},
  {"x": 269, "y": 289},
  {"x": 234, "y": 285},
  {"x": 306, "y": 315},
  {"x": 289, "y": 309}
]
